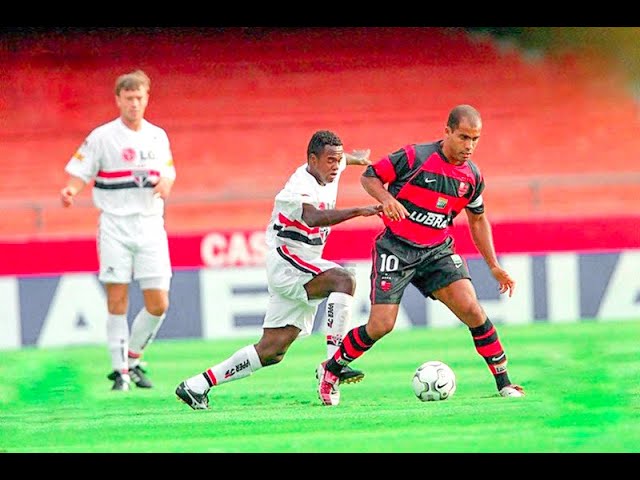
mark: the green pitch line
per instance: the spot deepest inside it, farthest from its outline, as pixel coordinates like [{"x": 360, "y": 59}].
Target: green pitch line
[{"x": 581, "y": 381}]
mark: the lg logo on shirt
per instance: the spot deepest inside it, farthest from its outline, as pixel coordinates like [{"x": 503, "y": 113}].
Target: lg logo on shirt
[{"x": 129, "y": 155}]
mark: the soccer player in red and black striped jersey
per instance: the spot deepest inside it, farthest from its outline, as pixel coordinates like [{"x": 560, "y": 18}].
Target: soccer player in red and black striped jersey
[{"x": 428, "y": 184}]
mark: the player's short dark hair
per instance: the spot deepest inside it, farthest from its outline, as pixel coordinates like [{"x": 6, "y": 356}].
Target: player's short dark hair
[
  {"x": 320, "y": 139},
  {"x": 132, "y": 81},
  {"x": 463, "y": 111}
]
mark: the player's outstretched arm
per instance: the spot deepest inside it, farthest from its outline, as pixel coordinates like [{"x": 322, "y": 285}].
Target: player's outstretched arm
[
  {"x": 325, "y": 218},
  {"x": 391, "y": 207}
]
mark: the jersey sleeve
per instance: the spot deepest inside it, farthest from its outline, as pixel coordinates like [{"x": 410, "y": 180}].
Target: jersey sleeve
[
  {"x": 290, "y": 200},
  {"x": 85, "y": 162},
  {"x": 392, "y": 166},
  {"x": 476, "y": 203}
]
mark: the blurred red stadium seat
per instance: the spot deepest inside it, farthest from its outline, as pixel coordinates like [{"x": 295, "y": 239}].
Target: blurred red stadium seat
[{"x": 240, "y": 108}]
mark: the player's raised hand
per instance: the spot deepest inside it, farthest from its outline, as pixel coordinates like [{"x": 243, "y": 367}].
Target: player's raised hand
[{"x": 359, "y": 157}]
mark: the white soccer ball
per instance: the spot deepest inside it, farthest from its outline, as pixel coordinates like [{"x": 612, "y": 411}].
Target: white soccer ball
[{"x": 433, "y": 381}]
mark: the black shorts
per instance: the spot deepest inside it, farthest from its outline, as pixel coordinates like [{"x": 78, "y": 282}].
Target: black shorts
[{"x": 397, "y": 263}]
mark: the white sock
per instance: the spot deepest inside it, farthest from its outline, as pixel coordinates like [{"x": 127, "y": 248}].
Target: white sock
[
  {"x": 239, "y": 365},
  {"x": 338, "y": 318},
  {"x": 117, "y": 339},
  {"x": 143, "y": 330}
]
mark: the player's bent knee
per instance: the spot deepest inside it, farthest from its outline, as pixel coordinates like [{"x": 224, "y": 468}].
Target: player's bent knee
[
  {"x": 472, "y": 315},
  {"x": 157, "y": 310},
  {"x": 476, "y": 312},
  {"x": 344, "y": 281},
  {"x": 380, "y": 327},
  {"x": 156, "y": 305}
]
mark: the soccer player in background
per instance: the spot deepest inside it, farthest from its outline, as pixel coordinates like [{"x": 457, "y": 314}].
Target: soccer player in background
[
  {"x": 299, "y": 279},
  {"x": 131, "y": 162},
  {"x": 427, "y": 186}
]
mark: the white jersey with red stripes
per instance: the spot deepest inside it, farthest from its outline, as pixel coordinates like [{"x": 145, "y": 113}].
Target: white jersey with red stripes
[
  {"x": 125, "y": 165},
  {"x": 287, "y": 228}
]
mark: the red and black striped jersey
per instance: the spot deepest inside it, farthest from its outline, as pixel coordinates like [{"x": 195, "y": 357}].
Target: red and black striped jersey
[{"x": 432, "y": 190}]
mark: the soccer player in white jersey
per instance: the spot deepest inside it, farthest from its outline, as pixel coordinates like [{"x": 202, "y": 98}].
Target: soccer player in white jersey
[
  {"x": 130, "y": 162},
  {"x": 299, "y": 279}
]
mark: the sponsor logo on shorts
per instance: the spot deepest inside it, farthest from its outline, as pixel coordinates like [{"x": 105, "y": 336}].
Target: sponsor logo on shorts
[{"x": 457, "y": 260}]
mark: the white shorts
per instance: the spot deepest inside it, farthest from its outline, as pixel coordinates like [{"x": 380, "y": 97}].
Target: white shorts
[
  {"x": 134, "y": 246},
  {"x": 288, "y": 302}
]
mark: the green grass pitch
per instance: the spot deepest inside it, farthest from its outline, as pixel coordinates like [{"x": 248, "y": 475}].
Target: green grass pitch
[{"x": 581, "y": 381}]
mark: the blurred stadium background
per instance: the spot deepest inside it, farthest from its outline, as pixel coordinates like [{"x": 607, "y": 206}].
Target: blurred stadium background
[
  {"x": 559, "y": 154},
  {"x": 240, "y": 105}
]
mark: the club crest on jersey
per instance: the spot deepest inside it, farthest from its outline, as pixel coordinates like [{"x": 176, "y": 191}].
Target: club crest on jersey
[
  {"x": 463, "y": 188},
  {"x": 324, "y": 233},
  {"x": 128, "y": 154},
  {"x": 139, "y": 178},
  {"x": 441, "y": 203},
  {"x": 385, "y": 285}
]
